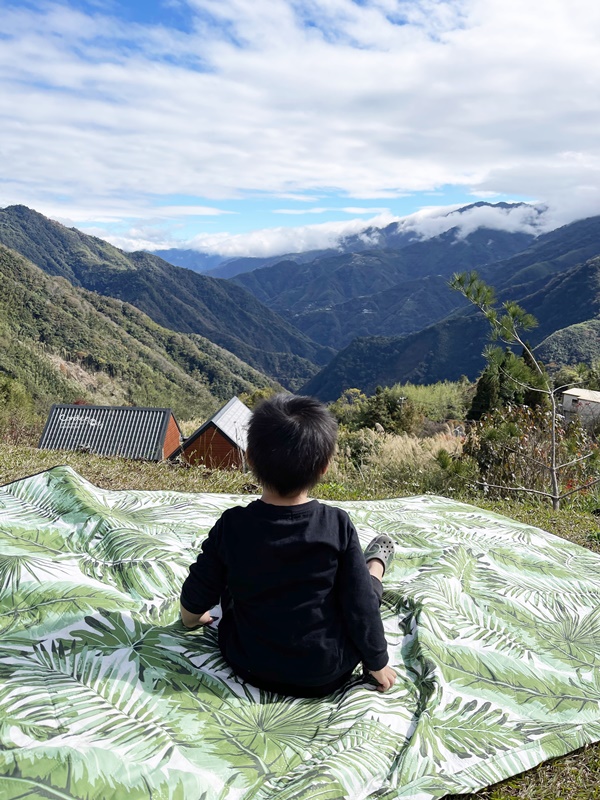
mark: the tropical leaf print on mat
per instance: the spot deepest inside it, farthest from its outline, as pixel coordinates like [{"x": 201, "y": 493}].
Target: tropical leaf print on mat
[{"x": 493, "y": 627}]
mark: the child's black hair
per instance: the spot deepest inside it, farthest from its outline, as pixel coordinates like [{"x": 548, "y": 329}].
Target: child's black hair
[{"x": 291, "y": 440}]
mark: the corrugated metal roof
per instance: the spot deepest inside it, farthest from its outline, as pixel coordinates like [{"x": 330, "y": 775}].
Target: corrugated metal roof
[
  {"x": 584, "y": 394},
  {"x": 127, "y": 431},
  {"x": 232, "y": 420}
]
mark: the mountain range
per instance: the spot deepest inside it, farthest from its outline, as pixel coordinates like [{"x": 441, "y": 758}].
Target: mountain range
[
  {"x": 555, "y": 279},
  {"x": 378, "y": 310},
  {"x": 394, "y": 236},
  {"x": 174, "y": 297},
  {"x": 334, "y": 299}
]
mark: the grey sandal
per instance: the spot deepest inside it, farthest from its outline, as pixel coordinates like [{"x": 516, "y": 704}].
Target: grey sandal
[{"x": 381, "y": 548}]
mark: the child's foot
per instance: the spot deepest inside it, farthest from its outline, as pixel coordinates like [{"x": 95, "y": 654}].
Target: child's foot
[{"x": 381, "y": 548}]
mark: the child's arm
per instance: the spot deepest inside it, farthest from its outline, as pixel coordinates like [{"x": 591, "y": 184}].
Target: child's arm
[
  {"x": 361, "y": 612},
  {"x": 203, "y": 587},
  {"x": 193, "y": 620}
]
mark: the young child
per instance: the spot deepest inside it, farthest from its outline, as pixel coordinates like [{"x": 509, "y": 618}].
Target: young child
[{"x": 300, "y": 600}]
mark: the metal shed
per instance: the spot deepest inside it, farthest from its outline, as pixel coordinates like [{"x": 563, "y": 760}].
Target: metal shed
[
  {"x": 127, "y": 431},
  {"x": 220, "y": 443}
]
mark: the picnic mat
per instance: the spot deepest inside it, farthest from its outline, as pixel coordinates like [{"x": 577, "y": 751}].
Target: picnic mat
[{"x": 493, "y": 626}]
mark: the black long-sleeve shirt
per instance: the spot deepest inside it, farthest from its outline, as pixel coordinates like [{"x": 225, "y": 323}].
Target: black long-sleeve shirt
[{"x": 303, "y": 609}]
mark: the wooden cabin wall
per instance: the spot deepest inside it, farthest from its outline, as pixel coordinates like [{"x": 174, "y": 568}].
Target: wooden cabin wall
[
  {"x": 172, "y": 438},
  {"x": 213, "y": 450}
]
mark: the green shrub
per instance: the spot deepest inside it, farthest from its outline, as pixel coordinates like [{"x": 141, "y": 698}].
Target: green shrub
[
  {"x": 358, "y": 446},
  {"x": 20, "y": 422},
  {"x": 438, "y": 401},
  {"x": 512, "y": 448},
  {"x": 386, "y": 411}
]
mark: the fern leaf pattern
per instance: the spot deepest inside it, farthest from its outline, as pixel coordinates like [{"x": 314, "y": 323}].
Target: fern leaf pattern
[{"x": 493, "y": 628}]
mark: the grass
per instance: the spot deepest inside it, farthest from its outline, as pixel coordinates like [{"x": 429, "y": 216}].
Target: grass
[
  {"x": 572, "y": 777},
  {"x": 120, "y": 473}
]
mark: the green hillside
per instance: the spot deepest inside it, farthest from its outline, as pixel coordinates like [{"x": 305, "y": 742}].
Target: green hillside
[
  {"x": 326, "y": 284},
  {"x": 423, "y": 357},
  {"x": 453, "y": 347},
  {"x": 174, "y": 297},
  {"x": 404, "y": 308},
  {"x": 567, "y": 299},
  {"x": 552, "y": 253},
  {"x": 575, "y": 344},
  {"x": 61, "y": 343}
]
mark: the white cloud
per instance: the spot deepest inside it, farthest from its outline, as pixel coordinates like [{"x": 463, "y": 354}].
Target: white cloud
[
  {"x": 370, "y": 99},
  {"x": 434, "y": 221},
  {"x": 302, "y": 198},
  {"x": 424, "y": 224},
  {"x": 300, "y": 211},
  {"x": 366, "y": 210},
  {"x": 277, "y": 241}
]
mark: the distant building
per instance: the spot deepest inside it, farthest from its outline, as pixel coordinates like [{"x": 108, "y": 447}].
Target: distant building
[
  {"x": 221, "y": 442},
  {"x": 127, "y": 431},
  {"x": 583, "y": 402}
]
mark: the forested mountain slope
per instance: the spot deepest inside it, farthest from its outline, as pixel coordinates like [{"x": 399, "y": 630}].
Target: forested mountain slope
[
  {"x": 402, "y": 309},
  {"x": 550, "y": 254},
  {"x": 377, "y": 292},
  {"x": 396, "y": 292},
  {"x": 573, "y": 344},
  {"x": 291, "y": 287},
  {"x": 62, "y": 342},
  {"x": 174, "y": 297},
  {"x": 453, "y": 347}
]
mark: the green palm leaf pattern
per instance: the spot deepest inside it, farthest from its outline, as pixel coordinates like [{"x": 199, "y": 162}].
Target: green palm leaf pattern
[{"x": 493, "y": 628}]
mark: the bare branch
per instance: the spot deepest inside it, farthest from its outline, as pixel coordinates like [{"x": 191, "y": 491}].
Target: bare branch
[
  {"x": 484, "y": 485},
  {"x": 575, "y": 461},
  {"x": 559, "y": 389},
  {"x": 580, "y": 488},
  {"x": 524, "y": 455}
]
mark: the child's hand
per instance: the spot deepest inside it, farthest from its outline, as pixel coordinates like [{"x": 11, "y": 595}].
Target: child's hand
[
  {"x": 385, "y": 677},
  {"x": 191, "y": 620}
]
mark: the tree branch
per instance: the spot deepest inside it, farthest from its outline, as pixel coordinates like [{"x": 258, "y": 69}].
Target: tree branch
[
  {"x": 575, "y": 461},
  {"x": 524, "y": 385},
  {"x": 580, "y": 488},
  {"x": 524, "y": 455},
  {"x": 484, "y": 484}
]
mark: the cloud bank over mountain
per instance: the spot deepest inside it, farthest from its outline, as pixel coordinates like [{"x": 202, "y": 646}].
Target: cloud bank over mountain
[
  {"x": 517, "y": 217},
  {"x": 424, "y": 224}
]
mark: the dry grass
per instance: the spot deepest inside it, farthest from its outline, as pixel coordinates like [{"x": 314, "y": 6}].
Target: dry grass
[
  {"x": 120, "y": 473},
  {"x": 372, "y": 466},
  {"x": 189, "y": 426},
  {"x": 572, "y": 777},
  {"x": 413, "y": 452}
]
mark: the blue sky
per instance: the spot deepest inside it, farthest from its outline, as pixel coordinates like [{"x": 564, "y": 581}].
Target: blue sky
[
  {"x": 171, "y": 14},
  {"x": 265, "y": 126}
]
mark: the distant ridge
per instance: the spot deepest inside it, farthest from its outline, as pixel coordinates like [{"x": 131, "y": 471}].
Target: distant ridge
[
  {"x": 190, "y": 259},
  {"x": 549, "y": 281},
  {"x": 390, "y": 310},
  {"x": 63, "y": 343},
  {"x": 174, "y": 297},
  {"x": 378, "y": 291},
  {"x": 393, "y": 236}
]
